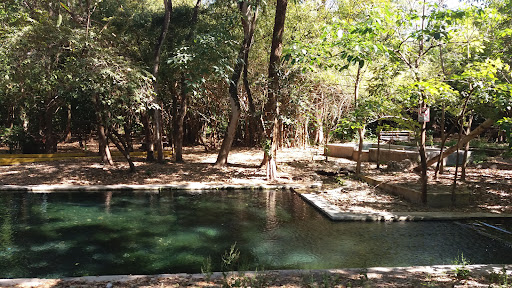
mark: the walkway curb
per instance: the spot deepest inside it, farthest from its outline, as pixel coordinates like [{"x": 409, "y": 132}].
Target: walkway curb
[
  {"x": 435, "y": 199},
  {"x": 15, "y": 159},
  {"x": 334, "y": 213},
  {"x": 374, "y": 272},
  {"x": 151, "y": 188}
]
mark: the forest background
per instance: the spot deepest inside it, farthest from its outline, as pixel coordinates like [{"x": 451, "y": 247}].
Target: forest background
[{"x": 252, "y": 73}]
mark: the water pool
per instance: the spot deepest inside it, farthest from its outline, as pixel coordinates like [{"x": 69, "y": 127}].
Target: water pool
[{"x": 77, "y": 234}]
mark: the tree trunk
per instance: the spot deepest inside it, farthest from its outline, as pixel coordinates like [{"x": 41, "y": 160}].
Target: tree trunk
[
  {"x": 157, "y": 116},
  {"x": 10, "y": 116},
  {"x": 466, "y": 149},
  {"x": 248, "y": 21},
  {"x": 423, "y": 162},
  {"x": 478, "y": 130},
  {"x": 454, "y": 185},
  {"x": 50, "y": 143},
  {"x": 106, "y": 157},
  {"x": 378, "y": 149},
  {"x": 104, "y": 151},
  {"x": 128, "y": 136},
  {"x": 157, "y": 113},
  {"x": 360, "y": 131},
  {"x": 305, "y": 138},
  {"x": 222, "y": 158},
  {"x": 253, "y": 121},
  {"x": 122, "y": 147},
  {"x": 444, "y": 137},
  {"x": 319, "y": 137},
  {"x": 271, "y": 107},
  {"x": 180, "y": 99},
  {"x": 67, "y": 138},
  {"x": 148, "y": 136},
  {"x": 181, "y": 111},
  {"x": 440, "y": 166}
]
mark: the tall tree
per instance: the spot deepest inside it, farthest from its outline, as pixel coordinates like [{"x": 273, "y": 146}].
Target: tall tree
[
  {"x": 157, "y": 111},
  {"x": 180, "y": 99},
  {"x": 271, "y": 109},
  {"x": 249, "y": 16}
]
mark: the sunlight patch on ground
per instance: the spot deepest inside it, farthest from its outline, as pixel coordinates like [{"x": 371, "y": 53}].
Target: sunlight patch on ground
[
  {"x": 97, "y": 165},
  {"x": 364, "y": 210},
  {"x": 11, "y": 172},
  {"x": 151, "y": 180},
  {"x": 492, "y": 209}
]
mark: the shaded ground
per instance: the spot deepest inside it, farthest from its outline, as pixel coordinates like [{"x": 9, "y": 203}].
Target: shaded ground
[
  {"x": 489, "y": 185},
  {"x": 197, "y": 167}
]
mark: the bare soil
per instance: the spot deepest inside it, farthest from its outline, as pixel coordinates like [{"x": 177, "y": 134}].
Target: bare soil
[{"x": 489, "y": 184}]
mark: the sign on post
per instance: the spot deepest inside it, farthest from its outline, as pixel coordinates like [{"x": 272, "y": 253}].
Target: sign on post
[{"x": 424, "y": 114}]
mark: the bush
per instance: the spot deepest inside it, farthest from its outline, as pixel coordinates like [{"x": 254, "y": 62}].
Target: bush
[
  {"x": 343, "y": 131},
  {"x": 17, "y": 139},
  {"x": 12, "y": 138}
]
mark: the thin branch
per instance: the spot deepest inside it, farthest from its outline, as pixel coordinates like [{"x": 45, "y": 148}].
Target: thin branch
[{"x": 401, "y": 56}]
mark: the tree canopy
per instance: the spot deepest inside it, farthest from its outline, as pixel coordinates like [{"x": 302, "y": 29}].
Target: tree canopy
[{"x": 76, "y": 68}]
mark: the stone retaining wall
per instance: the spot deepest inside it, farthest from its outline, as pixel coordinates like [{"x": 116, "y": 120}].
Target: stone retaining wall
[{"x": 387, "y": 153}]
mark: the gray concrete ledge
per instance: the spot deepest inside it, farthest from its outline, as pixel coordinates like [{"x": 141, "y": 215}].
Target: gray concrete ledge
[
  {"x": 434, "y": 199},
  {"x": 334, "y": 213},
  {"x": 151, "y": 188},
  {"x": 374, "y": 272}
]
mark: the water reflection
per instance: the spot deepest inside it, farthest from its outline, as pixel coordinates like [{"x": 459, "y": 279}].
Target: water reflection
[
  {"x": 272, "y": 222},
  {"x": 6, "y": 232},
  {"x": 108, "y": 201}
]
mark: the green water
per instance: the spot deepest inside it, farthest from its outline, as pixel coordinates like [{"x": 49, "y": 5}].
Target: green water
[{"x": 77, "y": 234}]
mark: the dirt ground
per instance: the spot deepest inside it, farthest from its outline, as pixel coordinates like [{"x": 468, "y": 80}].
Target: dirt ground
[
  {"x": 434, "y": 276},
  {"x": 489, "y": 184}
]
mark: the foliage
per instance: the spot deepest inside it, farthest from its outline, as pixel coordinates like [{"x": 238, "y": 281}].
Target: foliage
[
  {"x": 325, "y": 280},
  {"x": 13, "y": 137},
  {"x": 461, "y": 271},
  {"x": 230, "y": 258},
  {"x": 206, "y": 268},
  {"x": 398, "y": 53},
  {"x": 343, "y": 130},
  {"x": 506, "y": 124},
  {"x": 502, "y": 278}
]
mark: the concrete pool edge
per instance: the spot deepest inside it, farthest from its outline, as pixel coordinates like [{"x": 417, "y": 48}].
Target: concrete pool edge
[
  {"x": 373, "y": 272},
  {"x": 334, "y": 213},
  {"x": 331, "y": 211},
  {"x": 194, "y": 186}
]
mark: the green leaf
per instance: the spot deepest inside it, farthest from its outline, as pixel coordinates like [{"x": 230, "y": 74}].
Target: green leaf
[
  {"x": 344, "y": 67},
  {"x": 65, "y": 7},
  {"x": 59, "y": 20}
]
